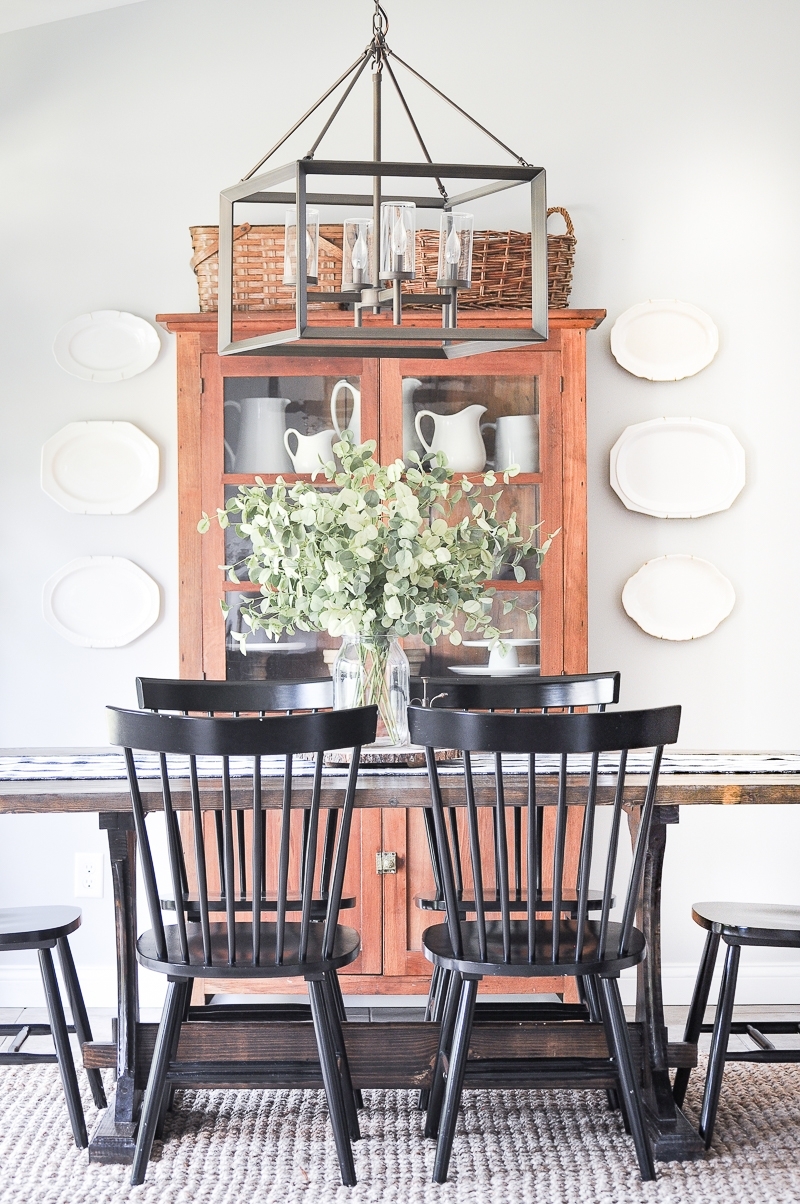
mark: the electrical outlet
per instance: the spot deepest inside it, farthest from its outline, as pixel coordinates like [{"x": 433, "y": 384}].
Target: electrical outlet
[{"x": 88, "y": 876}]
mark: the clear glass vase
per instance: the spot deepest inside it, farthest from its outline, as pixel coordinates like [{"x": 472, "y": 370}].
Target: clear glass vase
[{"x": 373, "y": 670}]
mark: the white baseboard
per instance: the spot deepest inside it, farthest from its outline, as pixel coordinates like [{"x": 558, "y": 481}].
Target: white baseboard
[
  {"x": 21, "y": 986},
  {"x": 763, "y": 983}
]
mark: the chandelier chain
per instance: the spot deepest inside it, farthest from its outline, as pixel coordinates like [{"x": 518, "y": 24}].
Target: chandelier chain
[{"x": 379, "y": 52}]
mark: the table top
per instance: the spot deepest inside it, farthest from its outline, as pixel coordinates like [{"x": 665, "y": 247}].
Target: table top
[{"x": 40, "y": 781}]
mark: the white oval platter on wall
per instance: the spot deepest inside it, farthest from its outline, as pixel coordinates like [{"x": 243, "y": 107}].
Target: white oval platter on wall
[
  {"x": 678, "y": 597},
  {"x": 664, "y": 340},
  {"x": 106, "y": 346},
  {"x": 677, "y": 467},
  {"x": 100, "y": 467},
  {"x": 101, "y": 601}
]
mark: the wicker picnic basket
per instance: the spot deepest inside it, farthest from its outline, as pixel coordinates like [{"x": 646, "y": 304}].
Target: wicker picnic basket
[
  {"x": 258, "y": 265},
  {"x": 501, "y": 267}
]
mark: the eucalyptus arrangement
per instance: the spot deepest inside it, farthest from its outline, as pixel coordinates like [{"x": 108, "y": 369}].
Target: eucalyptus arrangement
[{"x": 375, "y": 553}]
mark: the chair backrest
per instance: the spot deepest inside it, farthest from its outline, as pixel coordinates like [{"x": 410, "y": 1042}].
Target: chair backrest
[
  {"x": 233, "y": 697},
  {"x": 520, "y": 693},
  {"x": 585, "y": 735},
  {"x": 236, "y": 698},
  {"x": 223, "y": 738}
]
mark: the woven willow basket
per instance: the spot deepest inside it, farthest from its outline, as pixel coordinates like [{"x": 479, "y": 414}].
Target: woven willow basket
[
  {"x": 501, "y": 267},
  {"x": 258, "y": 265},
  {"x": 560, "y": 262}
]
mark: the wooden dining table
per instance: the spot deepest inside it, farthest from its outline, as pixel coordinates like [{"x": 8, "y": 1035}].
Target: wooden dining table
[{"x": 283, "y": 1051}]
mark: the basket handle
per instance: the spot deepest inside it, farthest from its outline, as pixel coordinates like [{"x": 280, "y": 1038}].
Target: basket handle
[
  {"x": 566, "y": 217},
  {"x": 213, "y": 248}
]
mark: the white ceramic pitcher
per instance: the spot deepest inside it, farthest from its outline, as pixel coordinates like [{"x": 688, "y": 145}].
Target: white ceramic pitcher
[
  {"x": 311, "y": 452},
  {"x": 516, "y": 441},
  {"x": 354, "y": 425},
  {"x": 458, "y": 436},
  {"x": 260, "y": 446}
]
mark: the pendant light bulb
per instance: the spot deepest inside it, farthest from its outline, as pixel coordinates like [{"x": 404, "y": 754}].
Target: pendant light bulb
[
  {"x": 399, "y": 237},
  {"x": 360, "y": 256},
  {"x": 452, "y": 250}
]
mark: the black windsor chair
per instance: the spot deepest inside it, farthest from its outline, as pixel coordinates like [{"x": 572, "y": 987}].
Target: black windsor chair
[
  {"x": 768, "y": 925},
  {"x": 235, "y": 698},
  {"x": 595, "y": 949},
  {"x": 254, "y": 948},
  {"x": 43, "y": 929},
  {"x": 541, "y": 694}
]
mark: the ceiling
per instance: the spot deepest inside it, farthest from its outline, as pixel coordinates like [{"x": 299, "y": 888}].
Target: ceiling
[{"x": 20, "y": 14}]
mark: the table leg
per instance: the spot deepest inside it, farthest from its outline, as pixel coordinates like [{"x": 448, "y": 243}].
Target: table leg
[
  {"x": 114, "y": 1138},
  {"x": 673, "y": 1136}
]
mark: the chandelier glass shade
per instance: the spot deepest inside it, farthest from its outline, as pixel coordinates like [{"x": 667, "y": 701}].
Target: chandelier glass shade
[{"x": 379, "y": 243}]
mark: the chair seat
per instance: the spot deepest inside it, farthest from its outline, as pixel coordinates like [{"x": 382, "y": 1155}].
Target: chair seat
[
  {"x": 36, "y": 927},
  {"x": 347, "y": 946},
  {"x": 751, "y": 923},
  {"x": 438, "y": 949},
  {"x": 467, "y": 904}
]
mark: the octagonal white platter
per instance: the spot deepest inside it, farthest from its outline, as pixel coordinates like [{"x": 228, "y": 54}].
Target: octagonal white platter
[
  {"x": 678, "y": 597},
  {"x": 677, "y": 467},
  {"x": 106, "y": 346},
  {"x": 101, "y": 601},
  {"x": 664, "y": 340},
  {"x": 100, "y": 467}
]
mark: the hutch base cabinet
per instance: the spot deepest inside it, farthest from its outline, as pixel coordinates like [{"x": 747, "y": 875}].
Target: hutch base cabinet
[{"x": 233, "y": 412}]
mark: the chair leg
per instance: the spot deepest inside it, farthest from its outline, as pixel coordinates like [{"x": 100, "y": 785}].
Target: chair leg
[
  {"x": 66, "y": 1066},
  {"x": 719, "y": 1044},
  {"x": 596, "y": 1008},
  {"x": 629, "y": 1092},
  {"x": 437, "y": 994},
  {"x": 348, "y": 1094},
  {"x": 436, "y": 1097},
  {"x": 171, "y": 1018},
  {"x": 168, "y": 1094},
  {"x": 332, "y": 1081},
  {"x": 430, "y": 1006},
  {"x": 80, "y": 1017},
  {"x": 697, "y": 1011},
  {"x": 455, "y": 1078},
  {"x": 336, "y": 987}
]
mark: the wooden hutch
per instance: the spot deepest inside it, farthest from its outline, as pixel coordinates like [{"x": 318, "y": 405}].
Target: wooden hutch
[{"x": 547, "y": 380}]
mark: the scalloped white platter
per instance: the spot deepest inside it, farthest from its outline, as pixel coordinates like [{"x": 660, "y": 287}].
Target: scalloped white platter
[
  {"x": 101, "y": 601},
  {"x": 106, "y": 346},
  {"x": 511, "y": 643},
  {"x": 485, "y": 671},
  {"x": 678, "y": 597},
  {"x": 100, "y": 467},
  {"x": 664, "y": 340},
  {"x": 677, "y": 467}
]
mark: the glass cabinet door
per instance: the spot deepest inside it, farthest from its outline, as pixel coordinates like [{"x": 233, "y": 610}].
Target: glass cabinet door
[
  {"x": 265, "y": 417},
  {"x": 494, "y": 411}
]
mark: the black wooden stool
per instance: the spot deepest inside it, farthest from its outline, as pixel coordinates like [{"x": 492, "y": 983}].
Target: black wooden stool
[
  {"x": 43, "y": 928},
  {"x": 775, "y": 926}
]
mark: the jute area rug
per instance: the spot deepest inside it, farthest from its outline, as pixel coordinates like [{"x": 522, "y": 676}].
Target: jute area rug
[{"x": 547, "y": 1147}]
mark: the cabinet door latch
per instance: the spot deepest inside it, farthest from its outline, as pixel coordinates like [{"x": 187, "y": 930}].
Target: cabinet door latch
[{"x": 386, "y": 863}]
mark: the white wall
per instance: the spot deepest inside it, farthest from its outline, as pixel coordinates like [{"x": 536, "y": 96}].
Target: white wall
[{"x": 669, "y": 130}]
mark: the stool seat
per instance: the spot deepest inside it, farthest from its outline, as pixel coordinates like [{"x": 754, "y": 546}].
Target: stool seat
[
  {"x": 750, "y": 923},
  {"x": 36, "y": 927}
]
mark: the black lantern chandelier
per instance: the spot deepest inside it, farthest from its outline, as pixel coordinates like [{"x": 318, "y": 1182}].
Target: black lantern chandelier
[{"x": 379, "y": 244}]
